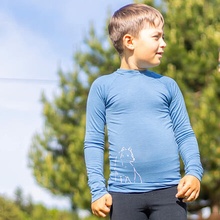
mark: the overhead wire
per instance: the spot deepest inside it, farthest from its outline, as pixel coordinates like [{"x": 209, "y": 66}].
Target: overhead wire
[{"x": 27, "y": 80}]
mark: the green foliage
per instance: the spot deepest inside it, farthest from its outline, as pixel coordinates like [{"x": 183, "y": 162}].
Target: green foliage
[
  {"x": 99, "y": 59},
  {"x": 14, "y": 210},
  {"x": 40, "y": 212},
  {"x": 56, "y": 156},
  {"x": 191, "y": 58},
  {"x": 93, "y": 217},
  {"x": 192, "y": 36},
  {"x": 10, "y": 211},
  {"x": 207, "y": 126},
  {"x": 25, "y": 204}
]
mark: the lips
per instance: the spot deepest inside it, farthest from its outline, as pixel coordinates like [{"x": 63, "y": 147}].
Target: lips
[{"x": 160, "y": 54}]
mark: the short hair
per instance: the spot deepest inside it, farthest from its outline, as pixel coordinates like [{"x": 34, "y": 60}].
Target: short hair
[{"x": 131, "y": 19}]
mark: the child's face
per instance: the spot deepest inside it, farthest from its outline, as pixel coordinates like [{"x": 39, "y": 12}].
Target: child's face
[{"x": 149, "y": 47}]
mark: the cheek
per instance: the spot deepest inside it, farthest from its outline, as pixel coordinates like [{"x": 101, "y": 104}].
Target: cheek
[
  {"x": 150, "y": 46},
  {"x": 146, "y": 49}
]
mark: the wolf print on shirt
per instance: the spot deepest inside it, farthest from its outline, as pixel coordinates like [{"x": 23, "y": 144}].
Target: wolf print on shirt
[{"x": 125, "y": 160}]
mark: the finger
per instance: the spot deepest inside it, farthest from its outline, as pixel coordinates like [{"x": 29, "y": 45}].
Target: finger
[
  {"x": 189, "y": 198},
  {"x": 197, "y": 194},
  {"x": 180, "y": 188},
  {"x": 106, "y": 209},
  {"x": 181, "y": 193},
  {"x": 108, "y": 201},
  {"x": 100, "y": 213},
  {"x": 184, "y": 191},
  {"x": 192, "y": 196},
  {"x": 187, "y": 192},
  {"x": 180, "y": 185},
  {"x": 191, "y": 192}
]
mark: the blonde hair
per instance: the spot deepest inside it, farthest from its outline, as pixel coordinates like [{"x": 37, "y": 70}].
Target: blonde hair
[{"x": 131, "y": 19}]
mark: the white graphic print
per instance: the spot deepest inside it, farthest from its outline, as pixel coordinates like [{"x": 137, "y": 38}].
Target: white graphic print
[{"x": 125, "y": 161}]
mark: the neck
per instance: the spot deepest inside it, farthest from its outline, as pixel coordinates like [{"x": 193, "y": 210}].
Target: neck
[{"x": 128, "y": 64}]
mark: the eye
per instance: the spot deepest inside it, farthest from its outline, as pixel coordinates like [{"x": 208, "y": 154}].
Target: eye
[{"x": 156, "y": 36}]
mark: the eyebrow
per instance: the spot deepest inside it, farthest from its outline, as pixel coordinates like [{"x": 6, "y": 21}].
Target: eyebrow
[{"x": 158, "y": 32}]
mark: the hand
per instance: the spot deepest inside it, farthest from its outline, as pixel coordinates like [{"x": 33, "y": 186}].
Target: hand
[
  {"x": 188, "y": 188},
  {"x": 101, "y": 207}
]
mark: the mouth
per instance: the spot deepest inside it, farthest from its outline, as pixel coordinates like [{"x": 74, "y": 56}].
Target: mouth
[{"x": 160, "y": 54}]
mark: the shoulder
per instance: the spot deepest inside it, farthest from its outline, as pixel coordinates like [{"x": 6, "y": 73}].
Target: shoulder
[
  {"x": 163, "y": 79},
  {"x": 166, "y": 80},
  {"x": 101, "y": 84},
  {"x": 104, "y": 79},
  {"x": 169, "y": 84}
]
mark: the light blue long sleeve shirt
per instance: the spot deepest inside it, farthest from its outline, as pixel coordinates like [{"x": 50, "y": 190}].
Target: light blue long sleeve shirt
[{"x": 148, "y": 128}]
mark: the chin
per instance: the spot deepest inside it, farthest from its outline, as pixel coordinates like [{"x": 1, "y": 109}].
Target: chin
[
  {"x": 150, "y": 65},
  {"x": 156, "y": 64},
  {"x": 153, "y": 65}
]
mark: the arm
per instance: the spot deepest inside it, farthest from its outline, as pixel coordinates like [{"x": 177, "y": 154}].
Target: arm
[
  {"x": 94, "y": 141},
  {"x": 189, "y": 185}
]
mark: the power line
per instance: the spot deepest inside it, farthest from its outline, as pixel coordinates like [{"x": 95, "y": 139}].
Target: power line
[{"x": 26, "y": 80}]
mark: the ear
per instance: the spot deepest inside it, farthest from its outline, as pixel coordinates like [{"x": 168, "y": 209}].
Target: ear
[{"x": 128, "y": 41}]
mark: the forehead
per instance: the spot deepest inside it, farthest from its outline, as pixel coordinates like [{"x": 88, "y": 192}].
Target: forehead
[
  {"x": 156, "y": 27},
  {"x": 157, "y": 24},
  {"x": 150, "y": 31}
]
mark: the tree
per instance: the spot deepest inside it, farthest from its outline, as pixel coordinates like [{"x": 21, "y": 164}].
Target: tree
[
  {"x": 56, "y": 155},
  {"x": 19, "y": 198},
  {"x": 25, "y": 204},
  {"x": 40, "y": 212},
  {"x": 192, "y": 36},
  {"x": 207, "y": 125},
  {"x": 9, "y": 210}
]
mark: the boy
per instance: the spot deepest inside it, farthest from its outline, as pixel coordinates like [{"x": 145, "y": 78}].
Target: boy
[{"x": 148, "y": 127}]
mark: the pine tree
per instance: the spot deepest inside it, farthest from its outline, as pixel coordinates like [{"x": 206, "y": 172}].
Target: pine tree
[
  {"x": 56, "y": 156},
  {"x": 10, "y": 211},
  {"x": 192, "y": 33}
]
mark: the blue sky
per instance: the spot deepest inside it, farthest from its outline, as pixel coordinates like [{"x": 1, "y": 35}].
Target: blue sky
[{"x": 36, "y": 39}]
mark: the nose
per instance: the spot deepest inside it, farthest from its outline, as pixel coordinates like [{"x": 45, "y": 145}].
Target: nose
[{"x": 163, "y": 43}]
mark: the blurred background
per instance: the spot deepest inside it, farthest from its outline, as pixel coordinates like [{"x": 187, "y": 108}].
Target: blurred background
[{"x": 50, "y": 53}]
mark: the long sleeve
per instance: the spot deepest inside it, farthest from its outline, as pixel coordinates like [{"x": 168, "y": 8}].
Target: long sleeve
[
  {"x": 185, "y": 137},
  {"x": 94, "y": 141},
  {"x": 148, "y": 127}
]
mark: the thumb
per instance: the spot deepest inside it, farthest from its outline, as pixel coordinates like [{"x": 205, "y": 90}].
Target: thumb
[
  {"x": 180, "y": 187},
  {"x": 181, "y": 184},
  {"x": 108, "y": 200}
]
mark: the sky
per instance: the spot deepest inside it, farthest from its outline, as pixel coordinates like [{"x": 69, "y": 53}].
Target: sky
[{"x": 37, "y": 38}]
